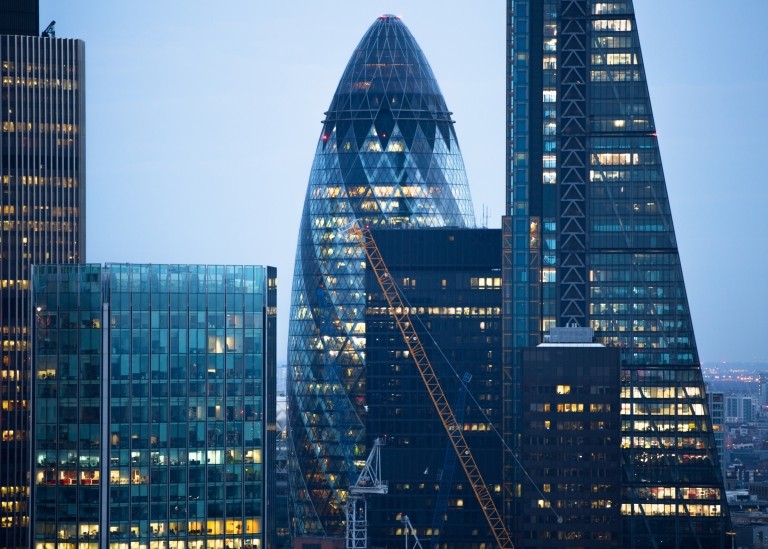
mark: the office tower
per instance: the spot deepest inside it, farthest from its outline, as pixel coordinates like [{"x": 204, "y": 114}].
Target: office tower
[
  {"x": 762, "y": 390},
  {"x": 154, "y": 410},
  {"x": 740, "y": 408},
  {"x": 716, "y": 401},
  {"x": 589, "y": 241},
  {"x": 19, "y": 17},
  {"x": 571, "y": 428},
  {"x": 451, "y": 281},
  {"x": 42, "y": 168},
  {"x": 387, "y": 155}
]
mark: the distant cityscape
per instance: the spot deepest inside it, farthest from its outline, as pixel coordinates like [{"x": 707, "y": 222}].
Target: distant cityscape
[{"x": 447, "y": 385}]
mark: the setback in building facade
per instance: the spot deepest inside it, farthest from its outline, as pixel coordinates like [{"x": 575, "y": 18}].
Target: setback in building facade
[
  {"x": 154, "y": 408},
  {"x": 589, "y": 241},
  {"x": 42, "y": 201}
]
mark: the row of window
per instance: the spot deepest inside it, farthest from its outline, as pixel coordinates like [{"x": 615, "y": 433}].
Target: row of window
[{"x": 39, "y": 180}]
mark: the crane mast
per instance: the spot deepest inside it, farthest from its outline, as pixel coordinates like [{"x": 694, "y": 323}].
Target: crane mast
[
  {"x": 408, "y": 528},
  {"x": 369, "y": 482},
  {"x": 436, "y": 393}
]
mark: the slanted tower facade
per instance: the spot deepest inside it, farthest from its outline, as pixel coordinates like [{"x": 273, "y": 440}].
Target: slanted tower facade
[{"x": 589, "y": 241}]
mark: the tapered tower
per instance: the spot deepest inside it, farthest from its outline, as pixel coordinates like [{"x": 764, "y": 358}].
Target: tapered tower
[
  {"x": 387, "y": 156},
  {"x": 589, "y": 241}
]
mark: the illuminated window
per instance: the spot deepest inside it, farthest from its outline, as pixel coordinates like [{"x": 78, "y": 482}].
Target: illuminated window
[{"x": 620, "y": 25}]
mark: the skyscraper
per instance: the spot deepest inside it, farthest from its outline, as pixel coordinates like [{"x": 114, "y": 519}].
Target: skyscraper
[
  {"x": 451, "y": 280},
  {"x": 570, "y": 443},
  {"x": 19, "y": 17},
  {"x": 589, "y": 241},
  {"x": 154, "y": 411},
  {"x": 387, "y": 156},
  {"x": 42, "y": 168}
]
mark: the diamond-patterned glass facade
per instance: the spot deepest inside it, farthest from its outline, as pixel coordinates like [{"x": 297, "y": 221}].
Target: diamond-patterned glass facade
[
  {"x": 387, "y": 156},
  {"x": 589, "y": 240}
]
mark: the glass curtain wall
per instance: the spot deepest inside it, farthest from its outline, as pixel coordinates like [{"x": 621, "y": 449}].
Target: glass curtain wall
[{"x": 387, "y": 156}]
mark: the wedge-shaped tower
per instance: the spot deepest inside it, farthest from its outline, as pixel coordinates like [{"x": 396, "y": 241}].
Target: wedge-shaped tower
[
  {"x": 387, "y": 156},
  {"x": 589, "y": 241}
]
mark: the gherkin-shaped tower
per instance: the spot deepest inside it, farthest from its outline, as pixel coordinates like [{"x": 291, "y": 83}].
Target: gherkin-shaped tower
[{"x": 387, "y": 156}]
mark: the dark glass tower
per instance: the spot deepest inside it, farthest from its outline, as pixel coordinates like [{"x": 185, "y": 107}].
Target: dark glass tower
[
  {"x": 451, "y": 281},
  {"x": 42, "y": 174},
  {"x": 19, "y": 17},
  {"x": 589, "y": 241},
  {"x": 387, "y": 156}
]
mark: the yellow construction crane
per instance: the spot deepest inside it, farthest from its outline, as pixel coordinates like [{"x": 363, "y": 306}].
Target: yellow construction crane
[{"x": 428, "y": 375}]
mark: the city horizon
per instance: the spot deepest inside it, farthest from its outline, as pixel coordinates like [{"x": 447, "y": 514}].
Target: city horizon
[{"x": 143, "y": 143}]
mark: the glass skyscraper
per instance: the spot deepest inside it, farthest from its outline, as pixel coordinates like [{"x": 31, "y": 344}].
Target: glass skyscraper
[
  {"x": 42, "y": 200},
  {"x": 154, "y": 406},
  {"x": 589, "y": 241},
  {"x": 387, "y": 156}
]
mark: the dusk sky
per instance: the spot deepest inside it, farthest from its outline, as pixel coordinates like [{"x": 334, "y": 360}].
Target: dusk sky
[{"x": 202, "y": 122}]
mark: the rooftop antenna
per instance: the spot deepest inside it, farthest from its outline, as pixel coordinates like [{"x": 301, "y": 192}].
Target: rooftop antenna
[
  {"x": 50, "y": 30},
  {"x": 484, "y": 219}
]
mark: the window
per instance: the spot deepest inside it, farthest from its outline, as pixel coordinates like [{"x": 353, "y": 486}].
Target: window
[{"x": 620, "y": 25}]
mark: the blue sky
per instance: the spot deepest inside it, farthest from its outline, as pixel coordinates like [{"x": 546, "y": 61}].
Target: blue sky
[{"x": 202, "y": 121}]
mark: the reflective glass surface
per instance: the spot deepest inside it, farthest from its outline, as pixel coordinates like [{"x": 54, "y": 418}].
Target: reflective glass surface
[
  {"x": 387, "y": 156},
  {"x": 592, "y": 242},
  {"x": 154, "y": 391}
]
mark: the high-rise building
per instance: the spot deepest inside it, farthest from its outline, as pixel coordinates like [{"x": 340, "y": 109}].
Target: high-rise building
[
  {"x": 154, "y": 410},
  {"x": 589, "y": 241},
  {"x": 451, "y": 281},
  {"x": 571, "y": 428},
  {"x": 387, "y": 155},
  {"x": 20, "y": 17},
  {"x": 740, "y": 408},
  {"x": 42, "y": 170},
  {"x": 716, "y": 400},
  {"x": 762, "y": 391}
]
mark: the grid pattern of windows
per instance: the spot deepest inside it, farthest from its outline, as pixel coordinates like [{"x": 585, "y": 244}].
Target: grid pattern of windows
[
  {"x": 154, "y": 396},
  {"x": 570, "y": 434},
  {"x": 42, "y": 205},
  {"x": 632, "y": 287},
  {"x": 387, "y": 156},
  {"x": 448, "y": 278}
]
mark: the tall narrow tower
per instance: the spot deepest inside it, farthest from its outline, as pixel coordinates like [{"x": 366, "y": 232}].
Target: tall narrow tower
[
  {"x": 42, "y": 172},
  {"x": 387, "y": 156},
  {"x": 589, "y": 241}
]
